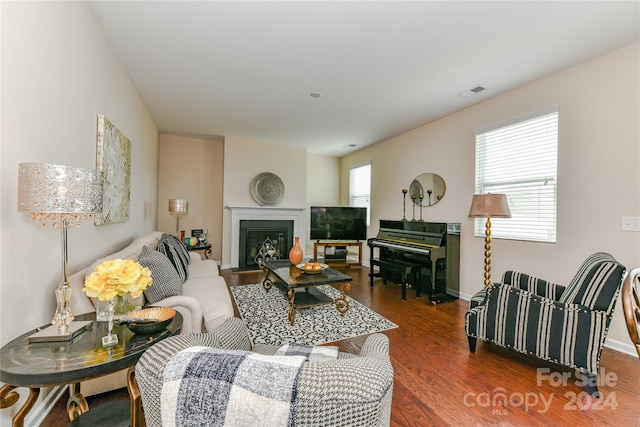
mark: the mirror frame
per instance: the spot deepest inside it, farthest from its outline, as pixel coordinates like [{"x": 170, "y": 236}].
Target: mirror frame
[{"x": 432, "y": 188}]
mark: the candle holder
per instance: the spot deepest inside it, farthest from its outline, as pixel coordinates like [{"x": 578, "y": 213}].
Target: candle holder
[
  {"x": 413, "y": 202},
  {"x": 404, "y": 203},
  {"x": 421, "y": 197}
]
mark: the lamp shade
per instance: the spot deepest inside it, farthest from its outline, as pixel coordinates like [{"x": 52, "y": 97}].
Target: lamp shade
[
  {"x": 178, "y": 207},
  {"x": 57, "y": 189},
  {"x": 489, "y": 206}
]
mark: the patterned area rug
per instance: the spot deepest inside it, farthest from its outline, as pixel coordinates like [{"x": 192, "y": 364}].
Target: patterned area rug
[{"x": 265, "y": 314}]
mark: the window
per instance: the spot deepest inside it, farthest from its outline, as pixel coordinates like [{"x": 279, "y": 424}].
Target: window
[
  {"x": 360, "y": 188},
  {"x": 519, "y": 159}
]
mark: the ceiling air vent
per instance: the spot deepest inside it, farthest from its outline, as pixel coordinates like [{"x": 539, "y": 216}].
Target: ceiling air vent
[{"x": 471, "y": 92}]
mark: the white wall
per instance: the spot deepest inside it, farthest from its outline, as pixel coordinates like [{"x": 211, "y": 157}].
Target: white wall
[
  {"x": 58, "y": 74},
  {"x": 598, "y": 174},
  {"x": 323, "y": 186},
  {"x": 243, "y": 160},
  {"x": 192, "y": 168}
]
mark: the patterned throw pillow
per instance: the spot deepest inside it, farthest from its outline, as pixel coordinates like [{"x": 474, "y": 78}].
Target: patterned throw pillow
[
  {"x": 174, "y": 251},
  {"x": 166, "y": 282}
]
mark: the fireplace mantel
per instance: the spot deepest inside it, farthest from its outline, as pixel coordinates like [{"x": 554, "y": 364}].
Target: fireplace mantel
[{"x": 240, "y": 213}]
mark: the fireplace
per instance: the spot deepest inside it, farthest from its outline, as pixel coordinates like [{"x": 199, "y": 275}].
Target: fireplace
[
  {"x": 264, "y": 213},
  {"x": 263, "y": 240}
]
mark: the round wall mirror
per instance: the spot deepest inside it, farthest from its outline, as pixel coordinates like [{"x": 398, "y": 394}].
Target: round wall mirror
[{"x": 427, "y": 189}]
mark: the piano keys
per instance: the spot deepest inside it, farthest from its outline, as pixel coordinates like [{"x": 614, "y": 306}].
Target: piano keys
[{"x": 424, "y": 254}]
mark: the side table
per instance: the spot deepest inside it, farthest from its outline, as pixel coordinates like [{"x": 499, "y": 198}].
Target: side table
[
  {"x": 38, "y": 365},
  {"x": 205, "y": 247}
]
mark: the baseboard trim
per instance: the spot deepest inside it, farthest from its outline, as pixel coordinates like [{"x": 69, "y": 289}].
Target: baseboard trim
[
  {"x": 622, "y": 347},
  {"x": 41, "y": 410}
]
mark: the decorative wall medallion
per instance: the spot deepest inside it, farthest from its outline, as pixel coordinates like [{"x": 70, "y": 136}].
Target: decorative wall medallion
[
  {"x": 267, "y": 189},
  {"x": 113, "y": 159}
]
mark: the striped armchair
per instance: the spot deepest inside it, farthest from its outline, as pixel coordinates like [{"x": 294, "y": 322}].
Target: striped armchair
[
  {"x": 354, "y": 390},
  {"x": 565, "y": 325}
]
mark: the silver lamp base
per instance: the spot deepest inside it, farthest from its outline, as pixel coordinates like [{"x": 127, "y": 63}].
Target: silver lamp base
[{"x": 50, "y": 334}]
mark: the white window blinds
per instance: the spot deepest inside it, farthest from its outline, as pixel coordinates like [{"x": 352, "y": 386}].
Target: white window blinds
[
  {"x": 360, "y": 188},
  {"x": 519, "y": 159}
]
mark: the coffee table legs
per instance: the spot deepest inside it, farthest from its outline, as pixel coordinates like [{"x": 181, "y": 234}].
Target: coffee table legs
[
  {"x": 342, "y": 303},
  {"x": 8, "y": 397},
  {"x": 292, "y": 306}
]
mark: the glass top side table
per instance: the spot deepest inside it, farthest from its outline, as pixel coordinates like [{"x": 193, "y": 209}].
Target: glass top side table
[{"x": 37, "y": 365}]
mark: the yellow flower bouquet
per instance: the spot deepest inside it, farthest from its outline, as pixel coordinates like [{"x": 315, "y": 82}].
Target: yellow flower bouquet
[{"x": 117, "y": 277}]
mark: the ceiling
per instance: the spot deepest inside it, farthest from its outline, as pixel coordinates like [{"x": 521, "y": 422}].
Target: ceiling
[{"x": 248, "y": 69}]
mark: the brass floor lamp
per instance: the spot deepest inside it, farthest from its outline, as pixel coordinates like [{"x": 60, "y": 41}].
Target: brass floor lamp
[
  {"x": 489, "y": 206},
  {"x": 178, "y": 208}
]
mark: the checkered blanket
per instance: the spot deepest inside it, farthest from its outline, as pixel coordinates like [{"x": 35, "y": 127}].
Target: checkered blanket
[
  {"x": 203, "y": 386},
  {"x": 313, "y": 353}
]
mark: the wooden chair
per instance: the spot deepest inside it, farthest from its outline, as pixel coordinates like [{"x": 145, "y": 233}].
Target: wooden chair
[{"x": 631, "y": 306}]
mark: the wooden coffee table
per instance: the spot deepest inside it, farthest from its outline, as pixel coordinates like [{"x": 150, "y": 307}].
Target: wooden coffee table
[{"x": 300, "y": 288}]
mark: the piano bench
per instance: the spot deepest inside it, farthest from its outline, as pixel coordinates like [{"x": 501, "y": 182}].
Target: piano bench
[{"x": 409, "y": 273}]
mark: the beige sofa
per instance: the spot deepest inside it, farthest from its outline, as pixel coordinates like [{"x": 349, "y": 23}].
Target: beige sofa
[{"x": 205, "y": 302}]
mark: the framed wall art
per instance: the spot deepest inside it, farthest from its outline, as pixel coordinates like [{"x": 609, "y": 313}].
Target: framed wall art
[{"x": 113, "y": 159}]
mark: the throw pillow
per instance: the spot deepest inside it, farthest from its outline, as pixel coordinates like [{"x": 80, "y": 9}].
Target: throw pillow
[
  {"x": 175, "y": 256},
  {"x": 178, "y": 245},
  {"x": 597, "y": 283},
  {"x": 166, "y": 282}
]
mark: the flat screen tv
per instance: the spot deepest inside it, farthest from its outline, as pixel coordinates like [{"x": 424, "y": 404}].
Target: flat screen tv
[{"x": 338, "y": 223}]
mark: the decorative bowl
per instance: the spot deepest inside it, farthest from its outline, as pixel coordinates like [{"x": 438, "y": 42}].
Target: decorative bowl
[
  {"x": 322, "y": 268},
  {"x": 162, "y": 315}
]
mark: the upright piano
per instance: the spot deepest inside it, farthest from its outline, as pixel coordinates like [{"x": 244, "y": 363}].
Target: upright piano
[{"x": 425, "y": 254}]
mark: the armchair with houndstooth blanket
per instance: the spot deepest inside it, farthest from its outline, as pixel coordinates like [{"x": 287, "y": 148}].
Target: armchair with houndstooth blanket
[
  {"x": 564, "y": 325},
  {"x": 353, "y": 390}
]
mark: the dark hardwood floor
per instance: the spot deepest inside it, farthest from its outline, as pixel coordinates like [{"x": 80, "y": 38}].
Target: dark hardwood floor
[{"x": 438, "y": 382}]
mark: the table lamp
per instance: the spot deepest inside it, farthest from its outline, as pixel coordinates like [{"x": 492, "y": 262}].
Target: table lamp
[
  {"x": 488, "y": 206},
  {"x": 178, "y": 208},
  {"x": 62, "y": 195}
]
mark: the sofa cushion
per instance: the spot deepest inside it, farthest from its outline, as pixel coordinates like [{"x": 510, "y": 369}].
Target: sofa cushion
[
  {"x": 213, "y": 294},
  {"x": 203, "y": 268},
  {"x": 166, "y": 282},
  {"x": 176, "y": 257}
]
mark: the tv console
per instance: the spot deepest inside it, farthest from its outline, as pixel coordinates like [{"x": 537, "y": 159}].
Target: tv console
[{"x": 338, "y": 256}]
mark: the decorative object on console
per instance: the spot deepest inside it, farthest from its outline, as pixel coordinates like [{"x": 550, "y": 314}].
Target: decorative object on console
[
  {"x": 178, "y": 208},
  {"x": 267, "y": 189},
  {"x": 489, "y": 206},
  {"x": 63, "y": 195},
  {"x": 296, "y": 254},
  {"x": 200, "y": 235},
  {"x": 113, "y": 159},
  {"x": 114, "y": 279}
]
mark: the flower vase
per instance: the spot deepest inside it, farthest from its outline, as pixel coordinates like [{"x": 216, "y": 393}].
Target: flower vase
[
  {"x": 125, "y": 304},
  {"x": 110, "y": 339},
  {"x": 296, "y": 254}
]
